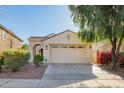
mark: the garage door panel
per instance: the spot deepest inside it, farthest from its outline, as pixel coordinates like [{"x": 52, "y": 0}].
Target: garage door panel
[{"x": 68, "y": 55}]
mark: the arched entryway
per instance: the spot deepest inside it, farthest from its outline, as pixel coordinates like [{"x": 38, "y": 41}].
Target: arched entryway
[
  {"x": 41, "y": 51},
  {"x": 37, "y": 50}
]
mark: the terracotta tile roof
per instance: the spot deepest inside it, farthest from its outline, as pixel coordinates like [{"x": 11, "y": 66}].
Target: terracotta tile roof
[{"x": 43, "y": 38}]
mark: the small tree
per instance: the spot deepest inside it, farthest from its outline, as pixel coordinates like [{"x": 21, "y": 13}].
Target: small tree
[
  {"x": 24, "y": 46},
  {"x": 98, "y": 23}
]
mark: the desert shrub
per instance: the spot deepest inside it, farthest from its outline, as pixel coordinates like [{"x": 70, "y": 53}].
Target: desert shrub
[
  {"x": 15, "y": 59},
  {"x": 121, "y": 53},
  {"x": 0, "y": 67},
  {"x": 121, "y": 59},
  {"x": 38, "y": 59},
  {"x": 1, "y": 59}
]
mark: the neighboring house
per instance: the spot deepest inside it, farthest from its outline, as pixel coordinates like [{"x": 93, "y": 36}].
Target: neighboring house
[
  {"x": 8, "y": 39},
  {"x": 64, "y": 47}
]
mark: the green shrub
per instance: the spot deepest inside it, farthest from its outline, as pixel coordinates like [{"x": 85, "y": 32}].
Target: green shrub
[
  {"x": 15, "y": 59},
  {"x": 1, "y": 59},
  {"x": 0, "y": 67},
  {"x": 121, "y": 53},
  {"x": 38, "y": 59},
  {"x": 121, "y": 59}
]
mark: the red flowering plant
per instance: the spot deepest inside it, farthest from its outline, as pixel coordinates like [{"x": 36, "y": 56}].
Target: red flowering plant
[
  {"x": 107, "y": 57},
  {"x": 103, "y": 57}
]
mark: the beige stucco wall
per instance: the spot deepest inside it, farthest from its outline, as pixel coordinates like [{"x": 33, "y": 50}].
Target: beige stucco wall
[
  {"x": 5, "y": 44},
  {"x": 32, "y": 43}
]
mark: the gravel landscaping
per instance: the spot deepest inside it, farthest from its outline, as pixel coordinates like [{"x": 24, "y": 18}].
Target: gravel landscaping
[{"x": 29, "y": 71}]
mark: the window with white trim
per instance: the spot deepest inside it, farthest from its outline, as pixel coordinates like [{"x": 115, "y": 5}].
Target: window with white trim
[
  {"x": 4, "y": 36},
  {"x": 14, "y": 40}
]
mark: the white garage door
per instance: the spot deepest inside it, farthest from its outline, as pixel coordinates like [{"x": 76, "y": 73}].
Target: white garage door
[{"x": 69, "y": 54}]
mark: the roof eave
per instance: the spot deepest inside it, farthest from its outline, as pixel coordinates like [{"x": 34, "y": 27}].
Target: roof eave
[{"x": 8, "y": 31}]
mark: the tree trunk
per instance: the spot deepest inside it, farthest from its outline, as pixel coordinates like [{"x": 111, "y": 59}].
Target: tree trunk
[
  {"x": 119, "y": 46},
  {"x": 114, "y": 56}
]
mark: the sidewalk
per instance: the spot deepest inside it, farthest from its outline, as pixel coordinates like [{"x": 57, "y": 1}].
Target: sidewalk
[{"x": 36, "y": 83}]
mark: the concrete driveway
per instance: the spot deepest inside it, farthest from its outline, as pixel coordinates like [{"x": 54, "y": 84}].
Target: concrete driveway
[
  {"x": 68, "y": 76},
  {"x": 79, "y": 75}
]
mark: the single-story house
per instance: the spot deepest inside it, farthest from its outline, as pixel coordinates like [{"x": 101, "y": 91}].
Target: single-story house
[{"x": 64, "y": 47}]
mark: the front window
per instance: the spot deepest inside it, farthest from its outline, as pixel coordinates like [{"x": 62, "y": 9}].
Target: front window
[
  {"x": 14, "y": 40},
  {"x": 4, "y": 35}
]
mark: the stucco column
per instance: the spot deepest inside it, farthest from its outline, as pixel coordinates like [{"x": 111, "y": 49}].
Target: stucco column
[
  {"x": 31, "y": 54},
  {"x": 46, "y": 53}
]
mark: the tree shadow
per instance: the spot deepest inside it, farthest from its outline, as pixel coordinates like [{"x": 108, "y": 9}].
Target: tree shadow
[{"x": 118, "y": 72}]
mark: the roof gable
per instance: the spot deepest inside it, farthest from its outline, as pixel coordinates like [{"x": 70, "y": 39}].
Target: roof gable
[
  {"x": 59, "y": 34},
  {"x": 68, "y": 37}
]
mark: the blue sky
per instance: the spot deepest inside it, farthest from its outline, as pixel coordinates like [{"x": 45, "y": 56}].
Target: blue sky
[{"x": 26, "y": 21}]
